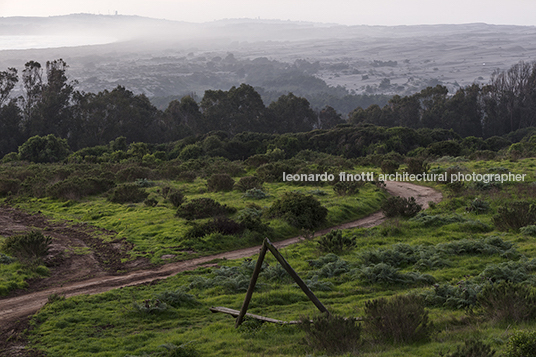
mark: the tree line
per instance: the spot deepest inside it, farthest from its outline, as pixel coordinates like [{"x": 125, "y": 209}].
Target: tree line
[{"x": 50, "y": 104}]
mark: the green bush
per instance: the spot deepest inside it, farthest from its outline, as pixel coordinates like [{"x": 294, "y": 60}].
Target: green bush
[
  {"x": 472, "y": 348},
  {"x": 177, "y": 298},
  {"x": 30, "y": 247},
  {"x": 203, "y": 207},
  {"x": 6, "y": 259},
  {"x": 508, "y": 302},
  {"x": 389, "y": 166},
  {"x": 387, "y": 274},
  {"x": 149, "y": 306},
  {"x": 528, "y": 230},
  {"x": 400, "y": 319},
  {"x": 515, "y": 215},
  {"x": 150, "y": 202},
  {"x": 221, "y": 225},
  {"x": 127, "y": 193},
  {"x": 348, "y": 188},
  {"x": 220, "y": 182},
  {"x": 521, "y": 344},
  {"x": 416, "y": 166},
  {"x": 133, "y": 173},
  {"x": 299, "y": 210},
  {"x": 331, "y": 333},
  {"x": 335, "y": 242},
  {"x": 9, "y": 186},
  {"x": 143, "y": 182},
  {"x": 478, "y": 206},
  {"x": 175, "y": 197},
  {"x": 255, "y": 193},
  {"x": 400, "y": 206},
  {"x": 44, "y": 149},
  {"x": 460, "y": 296},
  {"x": 75, "y": 188},
  {"x": 247, "y": 183}
]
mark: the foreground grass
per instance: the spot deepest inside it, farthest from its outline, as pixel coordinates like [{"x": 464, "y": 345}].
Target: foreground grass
[{"x": 110, "y": 324}]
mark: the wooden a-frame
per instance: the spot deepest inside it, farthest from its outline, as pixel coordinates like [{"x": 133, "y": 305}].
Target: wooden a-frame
[{"x": 267, "y": 245}]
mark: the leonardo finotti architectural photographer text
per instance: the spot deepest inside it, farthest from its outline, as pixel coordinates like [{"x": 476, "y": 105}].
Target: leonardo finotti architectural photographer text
[{"x": 423, "y": 177}]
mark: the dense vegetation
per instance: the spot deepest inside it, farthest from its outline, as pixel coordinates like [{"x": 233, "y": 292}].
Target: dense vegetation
[
  {"x": 171, "y": 185},
  {"x": 53, "y": 106},
  {"x": 451, "y": 281}
]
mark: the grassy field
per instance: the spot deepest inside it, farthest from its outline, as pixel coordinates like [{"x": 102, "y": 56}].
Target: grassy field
[{"x": 445, "y": 257}]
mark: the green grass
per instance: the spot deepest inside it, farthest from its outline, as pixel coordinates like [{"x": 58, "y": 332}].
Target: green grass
[
  {"x": 156, "y": 231},
  {"x": 13, "y": 276},
  {"x": 108, "y": 325}
]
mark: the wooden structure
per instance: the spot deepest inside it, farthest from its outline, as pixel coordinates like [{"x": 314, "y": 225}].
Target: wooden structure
[{"x": 267, "y": 245}]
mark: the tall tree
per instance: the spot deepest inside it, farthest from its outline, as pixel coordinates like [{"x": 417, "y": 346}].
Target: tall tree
[
  {"x": 32, "y": 84},
  {"x": 292, "y": 114}
]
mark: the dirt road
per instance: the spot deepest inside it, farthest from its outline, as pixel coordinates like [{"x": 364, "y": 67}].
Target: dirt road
[{"x": 17, "y": 307}]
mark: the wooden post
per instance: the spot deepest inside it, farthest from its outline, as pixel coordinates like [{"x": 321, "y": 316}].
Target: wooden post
[
  {"x": 252, "y": 283},
  {"x": 295, "y": 276}
]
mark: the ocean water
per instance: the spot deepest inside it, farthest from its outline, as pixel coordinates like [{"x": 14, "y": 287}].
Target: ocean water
[{"x": 29, "y": 42}]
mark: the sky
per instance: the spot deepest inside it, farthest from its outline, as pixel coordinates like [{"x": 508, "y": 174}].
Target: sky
[{"x": 347, "y": 12}]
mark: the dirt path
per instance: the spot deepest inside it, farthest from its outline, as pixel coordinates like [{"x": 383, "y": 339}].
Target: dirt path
[{"x": 17, "y": 307}]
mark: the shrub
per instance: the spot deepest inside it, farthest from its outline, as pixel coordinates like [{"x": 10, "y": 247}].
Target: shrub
[
  {"x": 247, "y": 183},
  {"x": 151, "y": 202},
  {"x": 400, "y": 319},
  {"x": 44, "y": 149},
  {"x": 387, "y": 274},
  {"x": 512, "y": 271},
  {"x": 133, "y": 173},
  {"x": 203, "y": 207},
  {"x": 335, "y": 242},
  {"x": 298, "y": 210},
  {"x": 221, "y": 225},
  {"x": 251, "y": 218},
  {"x": 515, "y": 215},
  {"x": 389, "y": 166},
  {"x": 400, "y": 206},
  {"x": 30, "y": 247},
  {"x": 416, "y": 166},
  {"x": 461, "y": 296},
  {"x": 220, "y": 182},
  {"x": 255, "y": 193},
  {"x": 521, "y": 344},
  {"x": 6, "y": 259},
  {"x": 75, "y": 188},
  {"x": 150, "y": 306},
  {"x": 478, "y": 206},
  {"x": 127, "y": 193},
  {"x": 347, "y": 188},
  {"x": 331, "y": 333},
  {"x": 9, "y": 186},
  {"x": 472, "y": 348},
  {"x": 143, "y": 182},
  {"x": 174, "y": 196},
  {"x": 509, "y": 302},
  {"x": 177, "y": 298},
  {"x": 528, "y": 230}
]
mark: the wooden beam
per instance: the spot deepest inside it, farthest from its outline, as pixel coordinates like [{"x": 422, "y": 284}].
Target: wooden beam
[
  {"x": 251, "y": 287},
  {"x": 236, "y": 313}
]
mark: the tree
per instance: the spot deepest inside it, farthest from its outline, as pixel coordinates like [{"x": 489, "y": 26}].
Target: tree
[
  {"x": 44, "y": 149},
  {"x": 8, "y": 80},
  {"x": 291, "y": 114},
  {"x": 52, "y": 112},
  {"x": 32, "y": 83},
  {"x": 10, "y": 115},
  {"x": 240, "y": 109},
  {"x": 328, "y": 118},
  {"x": 183, "y": 118}
]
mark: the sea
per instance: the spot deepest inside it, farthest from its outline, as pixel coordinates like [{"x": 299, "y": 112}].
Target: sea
[{"x": 36, "y": 42}]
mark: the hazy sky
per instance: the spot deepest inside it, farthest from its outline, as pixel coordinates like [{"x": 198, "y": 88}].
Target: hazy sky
[{"x": 349, "y": 12}]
